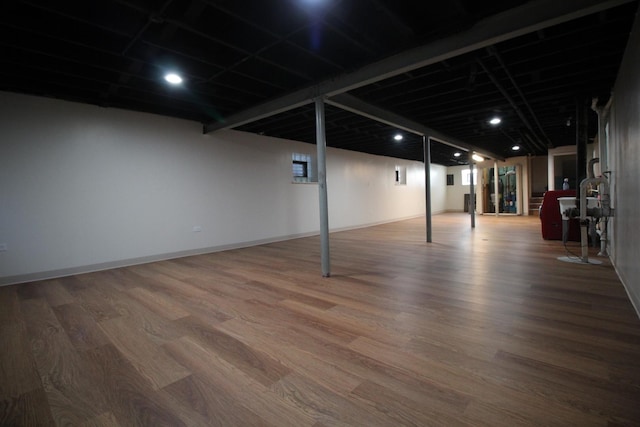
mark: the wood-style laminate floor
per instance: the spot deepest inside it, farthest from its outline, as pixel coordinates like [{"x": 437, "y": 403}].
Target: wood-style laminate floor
[{"x": 481, "y": 327}]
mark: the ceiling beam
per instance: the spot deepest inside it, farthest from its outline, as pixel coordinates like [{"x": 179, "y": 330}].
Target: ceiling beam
[
  {"x": 512, "y": 102},
  {"x": 530, "y": 17},
  {"x": 357, "y": 106}
]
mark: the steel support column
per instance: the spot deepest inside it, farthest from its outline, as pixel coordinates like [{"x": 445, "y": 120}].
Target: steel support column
[
  {"x": 496, "y": 188},
  {"x": 472, "y": 196},
  {"x": 321, "y": 143},
  {"x": 426, "y": 141}
]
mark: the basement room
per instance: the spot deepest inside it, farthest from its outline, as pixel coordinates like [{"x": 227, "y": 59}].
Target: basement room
[{"x": 319, "y": 213}]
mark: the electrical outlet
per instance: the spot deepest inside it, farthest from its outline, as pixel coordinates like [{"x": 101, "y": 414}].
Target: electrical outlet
[
  {"x": 3, "y": 247},
  {"x": 197, "y": 228}
]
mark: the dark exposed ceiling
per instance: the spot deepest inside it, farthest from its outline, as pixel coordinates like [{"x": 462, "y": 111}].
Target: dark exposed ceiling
[{"x": 235, "y": 54}]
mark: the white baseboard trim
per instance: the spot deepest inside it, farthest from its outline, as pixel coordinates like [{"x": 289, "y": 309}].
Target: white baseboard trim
[
  {"x": 53, "y": 274},
  {"x": 633, "y": 297}
]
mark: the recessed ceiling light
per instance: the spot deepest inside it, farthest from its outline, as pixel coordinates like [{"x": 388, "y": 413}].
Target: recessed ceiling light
[
  {"x": 173, "y": 78},
  {"x": 515, "y": 148},
  {"x": 495, "y": 121},
  {"x": 457, "y": 154},
  {"x": 477, "y": 158},
  {"x": 398, "y": 137}
]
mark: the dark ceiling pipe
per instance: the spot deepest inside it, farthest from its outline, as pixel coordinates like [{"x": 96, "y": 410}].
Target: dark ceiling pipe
[
  {"x": 515, "y": 107},
  {"x": 527, "y": 140},
  {"x": 193, "y": 30},
  {"x": 154, "y": 18},
  {"x": 494, "y": 51}
]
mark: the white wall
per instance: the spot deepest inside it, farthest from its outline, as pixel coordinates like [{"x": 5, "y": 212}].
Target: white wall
[
  {"x": 83, "y": 187},
  {"x": 438, "y": 188},
  {"x": 523, "y": 184},
  {"x": 552, "y": 153},
  {"x": 539, "y": 174},
  {"x": 624, "y": 163},
  {"x": 455, "y": 193}
]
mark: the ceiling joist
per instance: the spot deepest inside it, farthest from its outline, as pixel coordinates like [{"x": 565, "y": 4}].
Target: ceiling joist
[
  {"x": 530, "y": 17},
  {"x": 357, "y": 106}
]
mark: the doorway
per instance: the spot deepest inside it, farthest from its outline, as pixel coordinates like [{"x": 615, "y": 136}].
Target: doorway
[
  {"x": 506, "y": 200},
  {"x": 564, "y": 167}
]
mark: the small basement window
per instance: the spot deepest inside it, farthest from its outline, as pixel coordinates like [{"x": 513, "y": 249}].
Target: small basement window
[
  {"x": 401, "y": 175},
  {"x": 302, "y": 168},
  {"x": 466, "y": 174}
]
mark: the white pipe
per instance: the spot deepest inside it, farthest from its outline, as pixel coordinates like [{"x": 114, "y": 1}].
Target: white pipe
[
  {"x": 605, "y": 206},
  {"x": 584, "y": 242},
  {"x": 590, "y": 172},
  {"x": 603, "y": 115},
  {"x": 603, "y": 236},
  {"x": 604, "y": 196}
]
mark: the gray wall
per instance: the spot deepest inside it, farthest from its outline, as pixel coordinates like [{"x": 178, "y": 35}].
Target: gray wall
[
  {"x": 625, "y": 166},
  {"x": 539, "y": 174},
  {"x": 84, "y": 188},
  {"x": 455, "y": 193}
]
